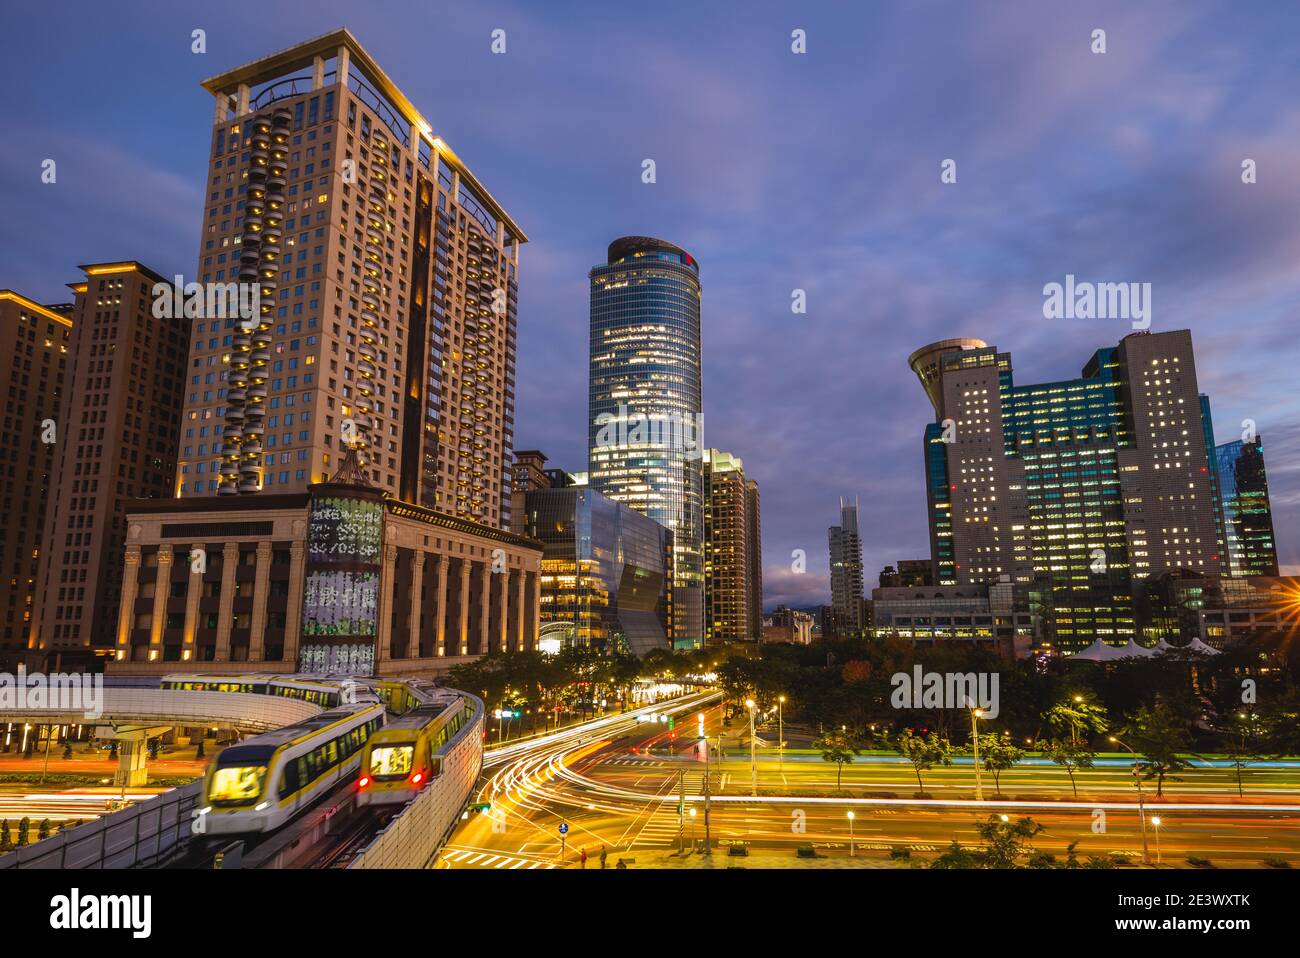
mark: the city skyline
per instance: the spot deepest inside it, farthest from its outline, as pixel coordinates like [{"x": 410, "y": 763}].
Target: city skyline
[{"x": 781, "y": 388}]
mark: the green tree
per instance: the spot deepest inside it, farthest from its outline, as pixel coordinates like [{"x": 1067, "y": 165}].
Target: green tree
[
  {"x": 1159, "y": 734},
  {"x": 838, "y": 747},
  {"x": 24, "y": 829},
  {"x": 43, "y": 830},
  {"x": 1006, "y": 841},
  {"x": 1244, "y": 741},
  {"x": 924, "y": 752},
  {"x": 997, "y": 754},
  {"x": 1070, "y": 756},
  {"x": 6, "y": 840},
  {"x": 1077, "y": 718}
]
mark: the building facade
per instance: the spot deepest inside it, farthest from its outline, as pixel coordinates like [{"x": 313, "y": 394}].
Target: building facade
[
  {"x": 1248, "y": 546},
  {"x": 385, "y": 310},
  {"x": 337, "y": 578},
  {"x": 645, "y": 407},
  {"x": 846, "y": 574},
  {"x": 122, "y": 419},
  {"x": 606, "y": 570},
  {"x": 1079, "y": 489},
  {"x": 733, "y": 574},
  {"x": 32, "y": 378}
]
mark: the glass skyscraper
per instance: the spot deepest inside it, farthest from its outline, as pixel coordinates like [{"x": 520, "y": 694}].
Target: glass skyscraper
[
  {"x": 1247, "y": 516},
  {"x": 645, "y": 405}
]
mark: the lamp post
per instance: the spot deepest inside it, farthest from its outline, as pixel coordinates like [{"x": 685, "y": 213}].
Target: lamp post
[
  {"x": 753, "y": 751},
  {"x": 1142, "y": 814},
  {"x": 851, "y": 848},
  {"x": 975, "y": 715},
  {"x": 693, "y": 841},
  {"x": 1155, "y": 823},
  {"x": 780, "y": 732}
]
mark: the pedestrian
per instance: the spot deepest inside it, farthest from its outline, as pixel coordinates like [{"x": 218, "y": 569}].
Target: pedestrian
[{"x": 584, "y": 858}]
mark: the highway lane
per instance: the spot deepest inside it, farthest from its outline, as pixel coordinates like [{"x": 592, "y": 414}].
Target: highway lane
[{"x": 627, "y": 802}]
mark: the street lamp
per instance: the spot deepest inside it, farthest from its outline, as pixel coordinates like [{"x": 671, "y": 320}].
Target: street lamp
[
  {"x": 753, "y": 750},
  {"x": 851, "y": 849},
  {"x": 780, "y": 732},
  {"x": 1142, "y": 814},
  {"x": 975, "y": 715},
  {"x": 1155, "y": 822}
]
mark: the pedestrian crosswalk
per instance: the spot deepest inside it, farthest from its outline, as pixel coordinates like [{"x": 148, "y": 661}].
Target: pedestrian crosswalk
[
  {"x": 663, "y": 826},
  {"x": 471, "y": 858}
]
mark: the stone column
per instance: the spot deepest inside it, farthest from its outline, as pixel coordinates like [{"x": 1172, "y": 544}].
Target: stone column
[
  {"x": 126, "y": 611},
  {"x": 226, "y": 615},
  {"x": 534, "y": 609},
  {"x": 503, "y": 611},
  {"x": 342, "y": 62},
  {"x": 521, "y": 580},
  {"x": 484, "y": 608},
  {"x": 384, "y": 621},
  {"x": 242, "y": 109},
  {"x": 440, "y": 566},
  {"x": 261, "y": 592},
  {"x": 463, "y": 630},
  {"x": 193, "y": 593},
  {"x": 413, "y": 622},
  {"x": 317, "y": 73},
  {"x": 293, "y": 613},
  {"x": 161, "y": 590}
]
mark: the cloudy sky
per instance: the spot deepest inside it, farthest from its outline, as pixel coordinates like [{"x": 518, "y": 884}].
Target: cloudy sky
[{"x": 778, "y": 171}]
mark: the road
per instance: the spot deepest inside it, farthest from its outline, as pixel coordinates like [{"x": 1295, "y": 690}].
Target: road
[{"x": 620, "y": 792}]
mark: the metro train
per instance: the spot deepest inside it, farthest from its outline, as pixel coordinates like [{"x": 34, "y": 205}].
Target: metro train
[
  {"x": 326, "y": 693},
  {"x": 264, "y": 781},
  {"x": 402, "y": 758}
]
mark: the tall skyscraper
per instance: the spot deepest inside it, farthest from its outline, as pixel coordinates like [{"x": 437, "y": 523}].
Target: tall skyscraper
[
  {"x": 846, "y": 572},
  {"x": 120, "y": 422},
  {"x": 733, "y": 575},
  {"x": 1080, "y": 488},
  {"x": 645, "y": 405},
  {"x": 388, "y": 278},
  {"x": 1247, "y": 516},
  {"x": 32, "y": 381}
]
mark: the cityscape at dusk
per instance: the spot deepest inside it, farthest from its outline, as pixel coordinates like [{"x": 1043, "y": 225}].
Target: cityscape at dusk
[{"x": 505, "y": 437}]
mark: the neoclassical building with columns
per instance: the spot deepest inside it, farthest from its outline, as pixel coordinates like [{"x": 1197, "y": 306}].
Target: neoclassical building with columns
[{"x": 341, "y": 578}]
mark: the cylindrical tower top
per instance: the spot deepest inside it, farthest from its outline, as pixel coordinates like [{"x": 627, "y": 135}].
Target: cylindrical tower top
[
  {"x": 626, "y": 247},
  {"x": 925, "y": 363}
]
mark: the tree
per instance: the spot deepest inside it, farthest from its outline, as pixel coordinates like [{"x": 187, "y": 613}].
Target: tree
[
  {"x": 1077, "y": 718},
  {"x": 1158, "y": 735},
  {"x": 1005, "y": 843},
  {"x": 998, "y": 753},
  {"x": 6, "y": 841},
  {"x": 924, "y": 753},
  {"x": 43, "y": 830},
  {"x": 24, "y": 829},
  {"x": 838, "y": 747},
  {"x": 1071, "y": 757},
  {"x": 1245, "y": 743}
]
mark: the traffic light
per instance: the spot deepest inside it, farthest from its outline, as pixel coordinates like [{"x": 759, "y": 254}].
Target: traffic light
[{"x": 672, "y": 723}]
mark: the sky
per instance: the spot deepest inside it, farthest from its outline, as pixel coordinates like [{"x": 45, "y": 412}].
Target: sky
[{"x": 779, "y": 171}]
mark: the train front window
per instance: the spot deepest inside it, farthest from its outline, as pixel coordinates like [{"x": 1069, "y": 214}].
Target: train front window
[
  {"x": 391, "y": 761},
  {"x": 237, "y": 785}
]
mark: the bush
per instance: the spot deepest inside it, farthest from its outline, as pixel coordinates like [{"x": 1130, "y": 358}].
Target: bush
[
  {"x": 1277, "y": 863},
  {"x": 1199, "y": 862},
  {"x": 806, "y": 851},
  {"x": 1041, "y": 860},
  {"x": 901, "y": 854}
]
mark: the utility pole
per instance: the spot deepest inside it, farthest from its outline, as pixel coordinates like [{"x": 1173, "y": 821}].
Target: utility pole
[
  {"x": 708, "y": 838},
  {"x": 975, "y": 739}
]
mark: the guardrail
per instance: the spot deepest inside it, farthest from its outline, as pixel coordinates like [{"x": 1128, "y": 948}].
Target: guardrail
[
  {"x": 413, "y": 837},
  {"x": 146, "y": 834}
]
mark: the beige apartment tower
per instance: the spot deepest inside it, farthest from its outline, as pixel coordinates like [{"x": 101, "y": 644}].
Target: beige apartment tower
[
  {"x": 118, "y": 425},
  {"x": 32, "y": 379},
  {"x": 733, "y": 574},
  {"x": 384, "y": 316}
]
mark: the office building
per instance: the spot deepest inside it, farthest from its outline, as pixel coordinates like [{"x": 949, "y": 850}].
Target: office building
[
  {"x": 645, "y": 410},
  {"x": 846, "y": 574},
  {"x": 1078, "y": 489},
  {"x": 606, "y": 570},
  {"x": 121, "y": 420},
  {"x": 32, "y": 379},
  {"x": 1249, "y": 549},
  {"x": 733, "y": 575},
  {"x": 384, "y": 317}
]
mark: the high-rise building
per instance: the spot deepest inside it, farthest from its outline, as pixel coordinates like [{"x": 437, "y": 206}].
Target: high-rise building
[
  {"x": 846, "y": 572},
  {"x": 733, "y": 575},
  {"x": 32, "y": 380},
  {"x": 1079, "y": 489},
  {"x": 120, "y": 420},
  {"x": 1249, "y": 549},
  {"x": 385, "y": 317},
  {"x": 645, "y": 407}
]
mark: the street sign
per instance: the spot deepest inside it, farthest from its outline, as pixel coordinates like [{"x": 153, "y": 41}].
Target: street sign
[{"x": 564, "y": 828}]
